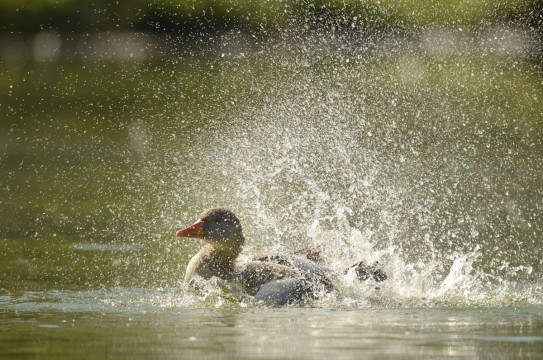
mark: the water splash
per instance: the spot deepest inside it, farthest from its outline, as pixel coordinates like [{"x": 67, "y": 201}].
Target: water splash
[{"x": 426, "y": 161}]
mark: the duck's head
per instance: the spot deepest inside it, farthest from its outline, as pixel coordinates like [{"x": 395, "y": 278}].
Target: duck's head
[{"x": 217, "y": 226}]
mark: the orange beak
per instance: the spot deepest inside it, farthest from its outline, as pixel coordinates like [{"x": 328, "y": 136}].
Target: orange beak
[{"x": 196, "y": 230}]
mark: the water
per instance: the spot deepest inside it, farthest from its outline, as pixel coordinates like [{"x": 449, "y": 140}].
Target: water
[
  {"x": 424, "y": 156},
  {"x": 143, "y": 323}
]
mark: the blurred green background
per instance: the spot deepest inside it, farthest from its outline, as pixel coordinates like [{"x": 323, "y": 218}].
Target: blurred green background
[{"x": 193, "y": 15}]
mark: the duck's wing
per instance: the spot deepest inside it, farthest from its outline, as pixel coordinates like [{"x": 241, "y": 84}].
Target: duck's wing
[
  {"x": 307, "y": 259},
  {"x": 295, "y": 262},
  {"x": 254, "y": 274},
  {"x": 284, "y": 291},
  {"x": 368, "y": 272},
  {"x": 281, "y": 284}
]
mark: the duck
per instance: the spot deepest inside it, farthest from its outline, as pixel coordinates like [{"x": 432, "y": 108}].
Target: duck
[{"x": 267, "y": 276}]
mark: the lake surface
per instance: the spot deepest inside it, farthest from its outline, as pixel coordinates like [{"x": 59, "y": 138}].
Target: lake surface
[
  {"x": 424, "y": 155},
  {"x": 100, "y": 324}
]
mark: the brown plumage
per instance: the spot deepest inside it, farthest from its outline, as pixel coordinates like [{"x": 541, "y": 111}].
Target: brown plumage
[{"x": 222, "y": 232}]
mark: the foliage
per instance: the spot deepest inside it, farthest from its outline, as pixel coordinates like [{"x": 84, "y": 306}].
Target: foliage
[{"x": 186, "y": 16}]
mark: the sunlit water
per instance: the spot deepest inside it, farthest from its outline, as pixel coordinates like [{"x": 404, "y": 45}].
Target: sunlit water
[
  {"x": 426, "y": 158},
  {"x": 158, "y": 323}
]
